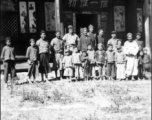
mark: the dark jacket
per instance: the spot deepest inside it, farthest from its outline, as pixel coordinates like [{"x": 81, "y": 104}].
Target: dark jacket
[
  {"x": 93, "y": 38},
  {"x": 83, "y": 43}
]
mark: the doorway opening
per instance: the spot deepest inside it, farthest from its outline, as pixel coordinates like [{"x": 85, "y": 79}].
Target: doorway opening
[{"x": 84, "y": 20}]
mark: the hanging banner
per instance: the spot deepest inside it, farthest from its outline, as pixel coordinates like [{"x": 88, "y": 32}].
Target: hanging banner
[
  {"x": 23, "y": 17},
  {"x": 86, "y": 5},
  {"x": 32, "y": 17},
  {"x": 49, "y": 16}
]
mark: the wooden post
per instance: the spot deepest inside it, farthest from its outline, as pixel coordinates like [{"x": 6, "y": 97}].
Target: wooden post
[{"x": 57, "y": 14}]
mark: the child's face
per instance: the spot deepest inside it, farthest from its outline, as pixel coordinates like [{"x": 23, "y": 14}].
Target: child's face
[
  {"x": 100, "y": 47},
  {"x": 113, "y": 35},
  {"x": 84, "y": 54},
  {"x": 32, "y": 43},
  {"x": 85, "y": 32},
  {"x": 145, "y": 51},
  {"x": 119, "y": 43},
  {"x": 91, "y": 29},
  {"x": 58, "y": 34},
  {"x": 138, "y": 37},
  {"x": 110, "y": 48},
  {"x": 89, "y": 47},
  {"x": 43, "y": 36},
  {"x": 8, "y": 42},
  {"x": 101, "y": 32}
]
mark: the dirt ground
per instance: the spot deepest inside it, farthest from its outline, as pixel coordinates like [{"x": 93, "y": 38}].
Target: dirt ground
[{"x": 83, "y": 100}]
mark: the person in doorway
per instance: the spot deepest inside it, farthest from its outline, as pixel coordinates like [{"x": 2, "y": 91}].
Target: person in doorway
[
  {"x": 85, "y": 41},
  {"x": 71, "y": 38},
  {"x": 32, "y": 54},
  {"x": 131, "y": 49},
  {"x": 92, "y": 35},
  {"x": 100, "y": 38},
  {"x": 8, "y": 57},
  {"x": 44, "y": 52},
  {"x": 57, "y": 45},
  {"x": 113, "y": 40}
]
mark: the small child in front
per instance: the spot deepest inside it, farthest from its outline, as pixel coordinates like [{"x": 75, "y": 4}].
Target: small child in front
[
  {"x": 68, "y": 65},
  {"x": 120, "y": 61},
  {"x": 91, "y": 57},
  {"x": 110, "y": 59},
  {"x": 32, "y": 54},
  {"x": 8, "y": 57},
  {"x": 100, "y": 60},
  {"x": 77, "y": 63}
]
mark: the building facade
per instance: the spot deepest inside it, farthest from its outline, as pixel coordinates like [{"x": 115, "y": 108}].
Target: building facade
[{"x": 23, "y": 19}]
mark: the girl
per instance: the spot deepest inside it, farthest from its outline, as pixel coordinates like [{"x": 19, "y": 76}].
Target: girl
[
  {"x": 85, "y": 64},
  {"x": 100, "y": 60},
  {"x": 77, "y": 63},
  {"x": 44, "y": 51},
  {"x": 91, "y": 56},
  {"x": 32, "y": 56},
  {"x": 67, "y": 64}
]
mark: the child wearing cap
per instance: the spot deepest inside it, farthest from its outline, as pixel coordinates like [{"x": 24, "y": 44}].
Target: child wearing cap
[
  {"x": 113, "y": 40},
  {"x": 68, "y": 65},
  {"x": 77, "y": 64},
  {"x": 91, "y": 56},
  {"x": 110, "y": 60},
  {"x": 100, "y": 56},
  {"x": 8, "y": 57},
  {"x": 120, "y": 61},
  {"x": 85, "y": 64},
  {"x": 32, "y": 54}
]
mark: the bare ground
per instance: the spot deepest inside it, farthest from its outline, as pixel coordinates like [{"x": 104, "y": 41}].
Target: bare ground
[{"x": 85, "y": 100}]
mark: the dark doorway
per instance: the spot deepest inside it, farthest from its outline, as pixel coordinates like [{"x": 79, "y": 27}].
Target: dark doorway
[{"x": 84, "y": 20}]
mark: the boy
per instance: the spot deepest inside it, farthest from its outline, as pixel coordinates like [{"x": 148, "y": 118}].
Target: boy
[
  {"x": 120, "y": 60},
  {"x": 32, "y": 54},
  {"x": 92, "y": 35},
  {"x": 8, "y": 57},
  {"x": 91, "y": 56},
  {"x": 100, "y": 60},
  {"x": 113, "y": 40},
  {"x": 110, "y": 59},
  {"x": 57, "y": 45},
  {"x": 100, "y": 38}
]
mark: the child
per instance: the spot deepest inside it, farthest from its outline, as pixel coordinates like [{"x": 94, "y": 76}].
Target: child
[
  {"x": 77, "y": 63},
  {"x": 119, "y": 44},
  {"x": 67, "y": 64},
  {"x": 57, "y": 45},
  {"x": 91, "y": 56},
  {"x": 100, "y": 60},
  {"x": 120, "y": 60},
  {"x": 146, "y": 62},
  {"x": 32, "y": 56},
  {"x": 85, "y": 64},
  {"x": 44, "y": 53},
  {"x": 110, "y": 59},
  {"x": 140, "y": 64},
  {"x": 8, "y": 57}
]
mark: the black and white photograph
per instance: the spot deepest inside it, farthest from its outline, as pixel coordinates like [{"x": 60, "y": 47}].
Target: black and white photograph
[{"x": 75, "y": 59}]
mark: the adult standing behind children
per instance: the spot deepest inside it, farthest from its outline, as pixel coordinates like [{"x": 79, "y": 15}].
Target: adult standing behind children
[
  {"x": 113, "y": 40},
  {"x": 92, "y": 35},
  {"x": 85, "y": 41},
  {"x": 8, "y": 57},
  {"x": 57, "y": 45},
  {"x": 131, "y": 49},
  {"x": 100, "y": 38},
  {"x": 44, "y": 52},
  {"x": 71, "y": 38}
]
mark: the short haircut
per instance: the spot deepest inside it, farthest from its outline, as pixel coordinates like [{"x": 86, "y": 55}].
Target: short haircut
[
  {"x": 7, "y": 39},
  {"x": 85, "y": 29},
  {"x": 110, "y": 45},
  {"x": 100, "y": 44},
  {"x": 42, "y": 31},
  {"x": 32, "y": 40},
  {"x": 119, "y": 40},
  {"x": 100, "y": 30},
  {"x": 129, "y": 34},
  {"x": 58, "y": 31}
]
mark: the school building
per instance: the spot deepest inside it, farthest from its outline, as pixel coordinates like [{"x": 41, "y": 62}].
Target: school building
[{"x": 23, "y": 19}]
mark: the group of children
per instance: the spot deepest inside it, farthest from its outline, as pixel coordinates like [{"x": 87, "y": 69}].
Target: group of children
[{"x": 86, "y": 60}]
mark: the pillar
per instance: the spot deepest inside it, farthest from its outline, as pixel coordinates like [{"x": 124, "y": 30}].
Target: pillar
[
  {"x": 57, "y": 14},
  {"x": 131, "y": 16}
]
